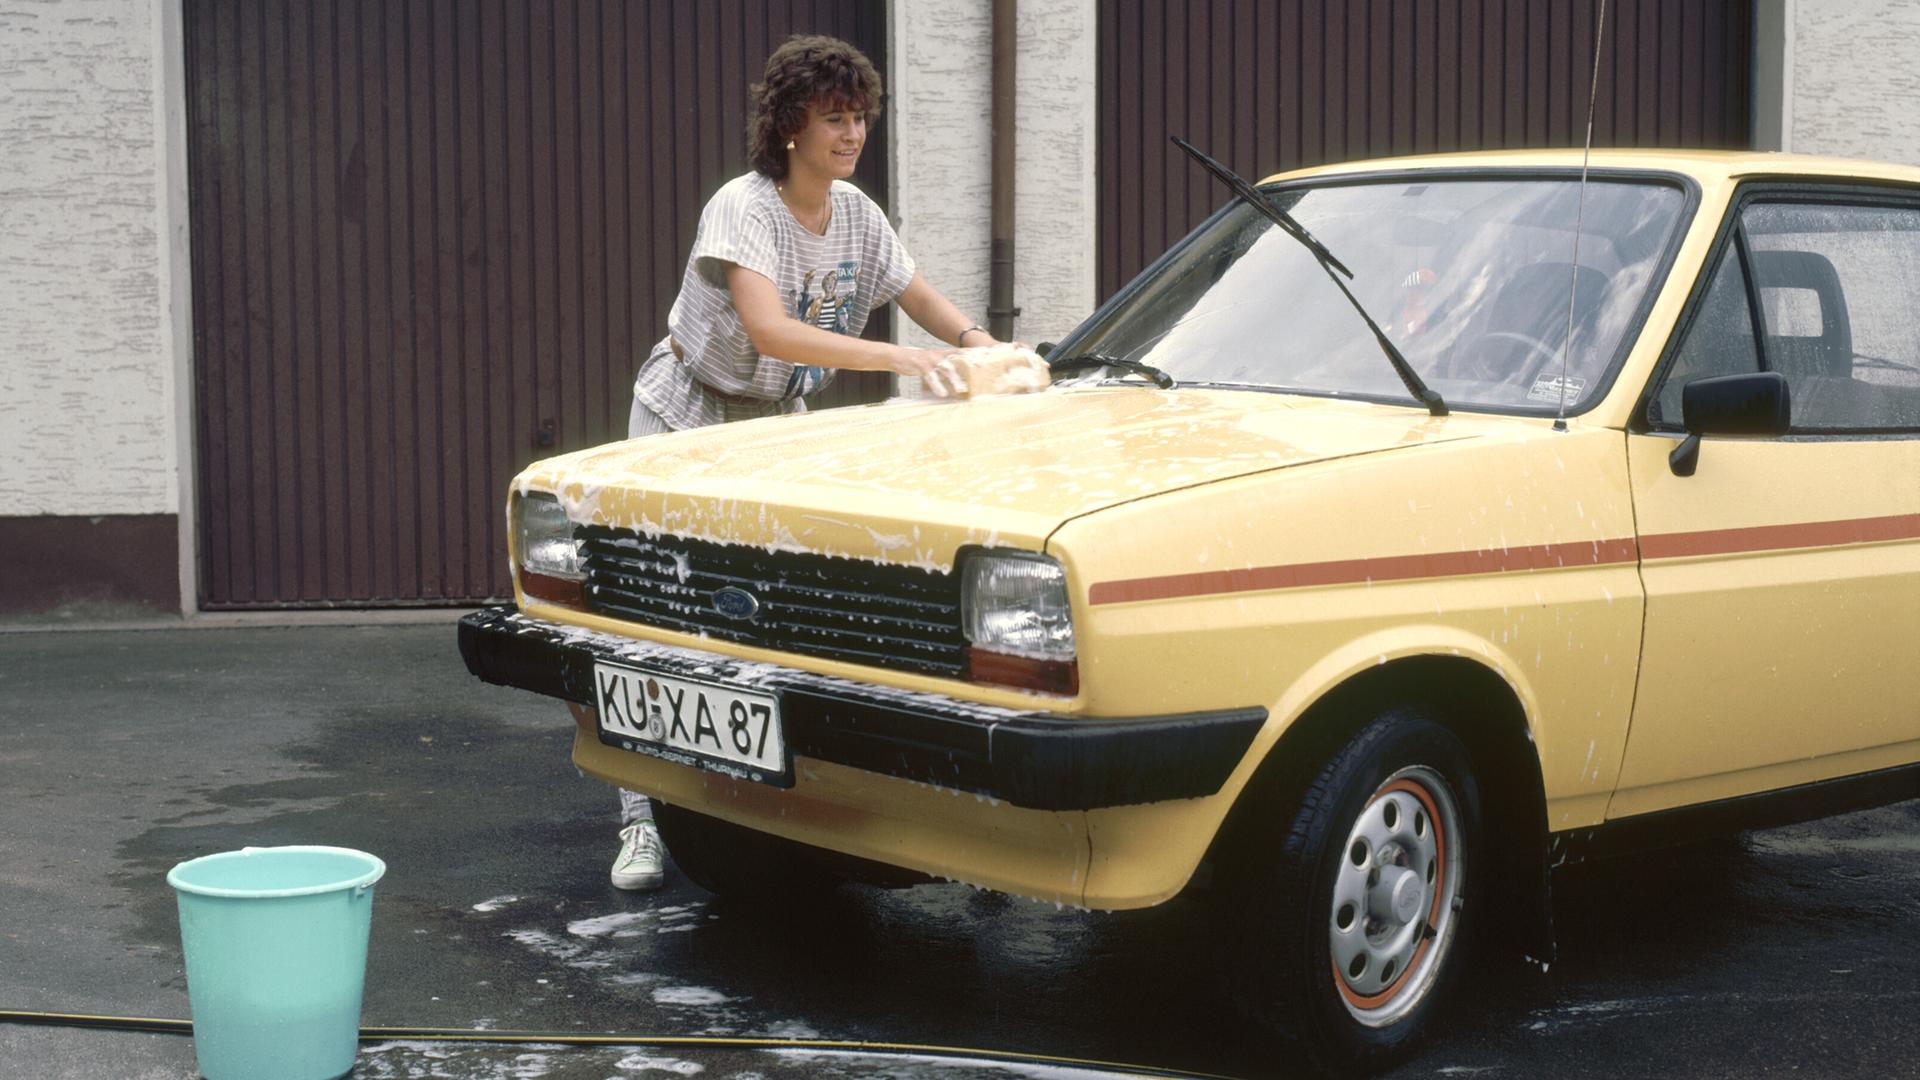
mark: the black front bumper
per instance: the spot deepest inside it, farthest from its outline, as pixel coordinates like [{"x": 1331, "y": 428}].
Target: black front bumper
[{"x": 1040, "y": 760}]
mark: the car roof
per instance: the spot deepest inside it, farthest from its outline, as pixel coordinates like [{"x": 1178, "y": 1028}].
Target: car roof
[{"x": 1706, "y": 166}]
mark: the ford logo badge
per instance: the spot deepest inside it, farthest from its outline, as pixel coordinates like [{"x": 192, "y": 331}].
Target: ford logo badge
[{"x": 736, "y": 603}]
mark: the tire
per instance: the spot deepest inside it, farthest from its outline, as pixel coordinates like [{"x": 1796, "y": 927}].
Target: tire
[
  {"x": 1346, "y": 904},
  {"x": 736, "y": 862}
]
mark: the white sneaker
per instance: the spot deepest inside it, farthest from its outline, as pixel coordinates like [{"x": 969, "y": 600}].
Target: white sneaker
[{"x": 639, "y": 864}]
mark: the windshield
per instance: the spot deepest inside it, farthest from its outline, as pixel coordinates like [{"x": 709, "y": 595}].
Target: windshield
[{"x": 1469, "y": 277}]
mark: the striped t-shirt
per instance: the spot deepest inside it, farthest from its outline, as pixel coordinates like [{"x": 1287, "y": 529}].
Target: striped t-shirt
[{"x": 833, "y": 281}]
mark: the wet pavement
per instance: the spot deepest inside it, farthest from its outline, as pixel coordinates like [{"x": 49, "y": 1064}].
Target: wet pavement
[{"x": 121, "y": 753}]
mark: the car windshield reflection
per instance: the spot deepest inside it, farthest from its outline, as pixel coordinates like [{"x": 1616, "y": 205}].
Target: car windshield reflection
[{"x": 1469, "y": 277}]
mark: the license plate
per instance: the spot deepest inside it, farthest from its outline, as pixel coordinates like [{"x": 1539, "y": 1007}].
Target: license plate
[{"x": 708, "y": 725}]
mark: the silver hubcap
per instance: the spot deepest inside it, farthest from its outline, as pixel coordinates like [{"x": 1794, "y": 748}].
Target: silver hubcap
[{"x": 1394, "y": 896}]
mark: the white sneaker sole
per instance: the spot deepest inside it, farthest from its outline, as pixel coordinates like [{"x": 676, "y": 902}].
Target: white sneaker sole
[{"x": 637, "y": 882}]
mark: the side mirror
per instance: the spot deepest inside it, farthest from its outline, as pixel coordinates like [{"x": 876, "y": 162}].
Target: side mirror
[
  {"x": 1758, "y": 403},
  {"x": 1043, "y": 348}
]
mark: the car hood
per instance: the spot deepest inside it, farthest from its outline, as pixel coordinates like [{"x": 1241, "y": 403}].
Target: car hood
[{"x": 913, "y": 482}]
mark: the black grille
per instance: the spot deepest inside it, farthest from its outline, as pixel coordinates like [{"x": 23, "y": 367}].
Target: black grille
[{"x": 846, "y": 609}]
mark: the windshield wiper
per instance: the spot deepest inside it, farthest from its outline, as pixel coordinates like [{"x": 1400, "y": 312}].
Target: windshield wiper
[
  {"x": 1093, "y": 360},
  {"x": 1251, "y": 195}
]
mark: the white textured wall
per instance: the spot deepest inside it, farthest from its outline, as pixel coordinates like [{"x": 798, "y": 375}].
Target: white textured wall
[
  {"x": 939, "y": 117},
  {"x": 86, "y": 370},
  {"x": 1057, "y": 210},
  {"x": 1855, "y": 83}
]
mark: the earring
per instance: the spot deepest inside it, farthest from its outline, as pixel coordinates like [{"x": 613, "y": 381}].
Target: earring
[{"x": 789, "y": 144}]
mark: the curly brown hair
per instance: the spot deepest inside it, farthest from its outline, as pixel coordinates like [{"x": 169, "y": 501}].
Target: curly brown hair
[{"x": 805, "y": 69}]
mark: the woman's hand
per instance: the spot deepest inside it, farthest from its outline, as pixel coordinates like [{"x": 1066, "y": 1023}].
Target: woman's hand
[
  {"x": 977, "y": 371},
  {"x": 933, "y": 367}
]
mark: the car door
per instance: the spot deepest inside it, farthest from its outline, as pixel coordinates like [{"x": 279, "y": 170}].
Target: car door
[{"x": 1783, "y": 577}]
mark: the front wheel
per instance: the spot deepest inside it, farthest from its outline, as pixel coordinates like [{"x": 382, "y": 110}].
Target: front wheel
[
  {"x": 1393, "y": 912},
  {"x": 1350, "y": 907}
]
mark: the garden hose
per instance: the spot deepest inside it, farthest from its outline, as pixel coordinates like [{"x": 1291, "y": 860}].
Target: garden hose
[{"x": 163, "y": 1026}]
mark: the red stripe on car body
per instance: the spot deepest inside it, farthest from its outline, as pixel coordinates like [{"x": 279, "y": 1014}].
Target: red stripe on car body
[
  {"x": 1349, "y": 571},
  {"x": 1811, "y": 534}
]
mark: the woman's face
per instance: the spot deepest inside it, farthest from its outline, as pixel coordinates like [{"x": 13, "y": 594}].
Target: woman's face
[{"x": 830, "y": 143}]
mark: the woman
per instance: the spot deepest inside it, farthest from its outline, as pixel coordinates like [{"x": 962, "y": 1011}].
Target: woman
[{"x": 789, "y": 262}]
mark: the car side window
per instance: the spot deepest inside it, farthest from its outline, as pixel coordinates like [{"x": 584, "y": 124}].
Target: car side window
[
  {"x": 1837, "y": 287},
  {"x": 1719, "y": 341}
]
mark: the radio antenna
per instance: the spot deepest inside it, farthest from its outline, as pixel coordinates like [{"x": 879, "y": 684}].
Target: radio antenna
[{"x": 1580, "y": 216}]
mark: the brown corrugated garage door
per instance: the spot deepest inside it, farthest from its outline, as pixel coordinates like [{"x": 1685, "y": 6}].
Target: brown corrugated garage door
[
  {"x": 1269, "y": 85},
  {"x": 429, "y": 240}
]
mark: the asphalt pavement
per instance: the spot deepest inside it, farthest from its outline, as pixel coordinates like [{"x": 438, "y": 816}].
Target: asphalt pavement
[{"x": 123, "y": 752}]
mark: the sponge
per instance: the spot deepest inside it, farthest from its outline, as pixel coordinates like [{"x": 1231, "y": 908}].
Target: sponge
[{"x": 997, "y": 369}]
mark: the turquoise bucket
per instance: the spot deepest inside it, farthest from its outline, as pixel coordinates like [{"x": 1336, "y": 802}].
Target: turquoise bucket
[{"x": 276, "y": 948}]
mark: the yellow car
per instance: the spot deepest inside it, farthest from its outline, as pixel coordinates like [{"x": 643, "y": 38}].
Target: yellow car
[{"x": 1408, "y": 529}]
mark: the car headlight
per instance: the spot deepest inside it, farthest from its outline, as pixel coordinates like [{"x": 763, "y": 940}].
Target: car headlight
[
  {"x": 1015, "y": 611},
  {"x": 549, "y": 559}
]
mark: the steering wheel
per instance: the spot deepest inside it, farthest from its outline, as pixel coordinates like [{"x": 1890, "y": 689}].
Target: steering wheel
[{"x": 1474, "y": 364}]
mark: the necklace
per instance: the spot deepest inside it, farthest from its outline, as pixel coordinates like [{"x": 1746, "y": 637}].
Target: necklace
[{"x": 821, "y": 216}]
